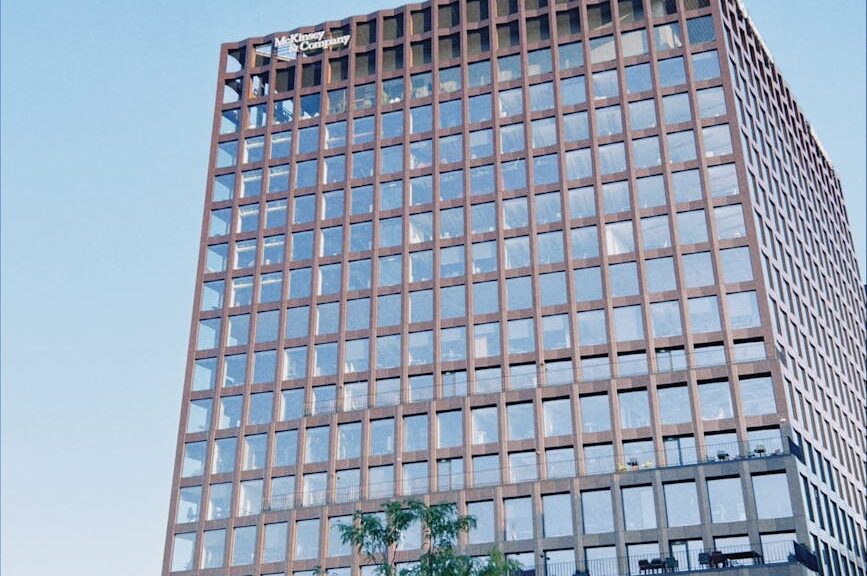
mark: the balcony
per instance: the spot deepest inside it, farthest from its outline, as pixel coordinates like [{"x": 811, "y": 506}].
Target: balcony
[
  {"x": 715, "y": 560},
  {"x": 671, "y": 456}
]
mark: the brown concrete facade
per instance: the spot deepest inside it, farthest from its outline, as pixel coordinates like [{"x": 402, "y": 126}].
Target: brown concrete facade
[{"x": 514, "y": 255}]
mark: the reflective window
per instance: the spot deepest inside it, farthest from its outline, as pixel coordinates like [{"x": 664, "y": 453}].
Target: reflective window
[
  {"x": 642, "y": 114},
  {"x": 521, "y": 421},
  {"x": 557, "y": 417},
  {"x": 715, "y": 400},
  {"x": 450, "y": 429},
  {"x": 736, "y": 265},
  {"x": 772, "y": 496},
  {"x": 698, "y": 270},
  {"x": 595, "y": 414},
  {"x": 597, "y": 511},
  {"x": 557, "y": 515},
  {"x": 757, "y": 396},
  {"x": 518, "y": 518},
  {"x": 483, "y": 531},
  {"x": 634, "y": 409},
  {"x": 674, "y": 405},
  {"x": 588, "y": 284},
  {"x": 639, "y": 510},
  {"x": 681, "y": 504},
  {"x": 726, "y": 500}
]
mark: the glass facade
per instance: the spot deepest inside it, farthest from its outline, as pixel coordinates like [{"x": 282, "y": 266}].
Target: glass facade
[{"x": 534, "y": 244}]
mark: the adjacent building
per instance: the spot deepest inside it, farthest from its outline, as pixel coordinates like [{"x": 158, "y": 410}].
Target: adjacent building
[{"x": 580, "y": 267}]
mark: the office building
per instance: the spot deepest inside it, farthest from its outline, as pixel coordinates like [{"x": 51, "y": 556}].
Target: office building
[{"x": 580, "y": 267}]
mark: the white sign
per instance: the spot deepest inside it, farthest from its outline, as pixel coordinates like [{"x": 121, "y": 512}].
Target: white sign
[{"x": 309, "y": 41}]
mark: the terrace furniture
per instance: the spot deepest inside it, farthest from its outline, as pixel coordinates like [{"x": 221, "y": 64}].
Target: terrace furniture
[{"x": 655, "y": 565}]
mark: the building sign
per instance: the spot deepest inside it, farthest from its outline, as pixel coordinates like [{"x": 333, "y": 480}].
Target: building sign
[{"x": 304, "y": 42}]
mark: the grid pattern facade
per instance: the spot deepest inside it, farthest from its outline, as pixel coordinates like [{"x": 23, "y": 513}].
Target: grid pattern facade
[{"x": 502, "y": 254}]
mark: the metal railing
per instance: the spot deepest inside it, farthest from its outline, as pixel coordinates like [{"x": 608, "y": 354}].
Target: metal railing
[
  {"x": 635, "y": 462},
  {"x": 722, "y": 558}
]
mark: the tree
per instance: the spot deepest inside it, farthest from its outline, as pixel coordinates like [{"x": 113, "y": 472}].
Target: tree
[{"x": 376, "y": 537}]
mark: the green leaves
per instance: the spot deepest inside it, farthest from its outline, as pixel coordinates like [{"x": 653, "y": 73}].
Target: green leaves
[{"x": 376, "y": 537}]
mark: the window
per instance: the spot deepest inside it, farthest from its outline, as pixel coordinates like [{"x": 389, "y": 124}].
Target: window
[
  {"x": 628, "y": 323},
  {"x": 450, "y": 429},
  {"x": 560, "y": 462},
  {"x": 380, "y": 480},
  {"x": 642, "y": 115},
  {"x": 638, "y": 552},
  {"x": 743, "y": 310},
  {"x": 519, "y": 518},
  {"x": 521, "y": 421},
  {"x": 557, "y": 515},
  {"x": 415, "y": 478},
  {"x": 588, "y": 284},
  {"x": 556, "y": 332},
  {"x": 757, "y": 396},
  {"x": 717, "y": 140},
  {"x": 557, "y": 417},
  {"x": 486, "y": 470},
  {"x": 483, "y": 512},
  {"x": 715, "y": 399},
  {"x": 681, "y": 504},
  {"x": 736, "y": 265},
  {"x": 704, "y": 314},
  {"x": 213, "y": 549},
  {"x": 521, "y": 336},
  {"x": 484, "y": 425},
  {"x": 698, "y": 270},
  {"x": 597, "y": 511},
  {"x": 595, "y": 414},
  {"x": 591, "y": 328},
  {"x": 772, "y": 496},
  {"x": 619, "y": 238},
  {"x": 349, "y": 440},
  {"x": 307, "y": 539},
  {"x": 522, "y": 467},
  {"x": 634, "y": 409},
  {"x": 244, "y": 546},
  {"x": 674, "y": 405},
  {"x": 726, "y": 500},
  {"x": 639, "y": 510},
  {"x": 602, "y": 561}
]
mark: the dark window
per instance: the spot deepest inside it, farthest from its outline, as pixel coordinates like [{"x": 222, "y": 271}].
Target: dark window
[
  {"x": 311, "y": 74},
  {"x": 285, "y": 80},
  {"x": 630, "y": 11},
  {"x": 507, "y": 35},
  {"x": 537, "y": 29},
  {"x": 365, "y": 33},
  {"x": 568, "y": 23},
  {"x": 478, "y": 41},
  {"x": 450, "y": 16},
  {"x": 598, "y": 15},
  {"x": 421, "y": 21},
  {"x": 392, "y": 27},
  {"x": 421, "y": 53},
  {"x": 450, "y": 46},
  {"x": 365, "y": 64},
  {"x": 507, "y": 7},
  {"x": 392, "y": 59},
  {"x": 339, "y": 69},
  {"x": 477, "y": 10}
]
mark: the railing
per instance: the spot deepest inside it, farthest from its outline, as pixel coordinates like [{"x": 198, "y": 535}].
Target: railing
[
  {"x": 720, "y": 452},
  {"x": 668, "y": 361},
  {"x": 784, "y": 552}
]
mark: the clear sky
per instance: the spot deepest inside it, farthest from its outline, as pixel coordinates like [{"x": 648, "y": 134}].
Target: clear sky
[{"x": 106, "y": 118}]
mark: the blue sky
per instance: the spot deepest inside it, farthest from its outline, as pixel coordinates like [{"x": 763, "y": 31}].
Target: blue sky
[{"x": 106, "y": 117}]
